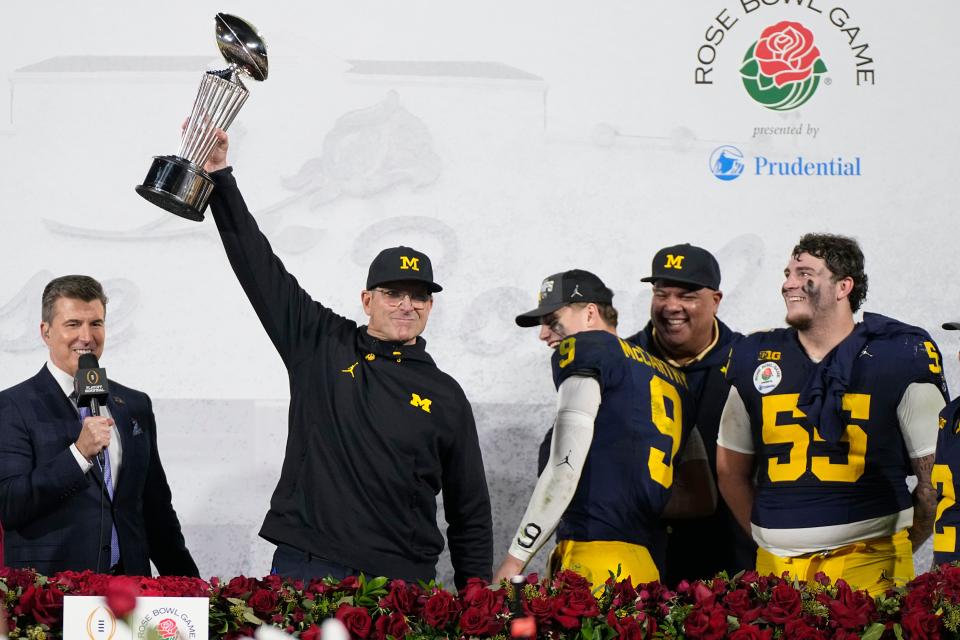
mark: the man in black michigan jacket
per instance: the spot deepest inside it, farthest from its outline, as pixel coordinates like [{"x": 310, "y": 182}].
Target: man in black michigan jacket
[{"x": 376, "y": 429}]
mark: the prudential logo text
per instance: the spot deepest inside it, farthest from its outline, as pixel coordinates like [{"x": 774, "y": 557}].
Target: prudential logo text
[{"x": 729, "y": 163}]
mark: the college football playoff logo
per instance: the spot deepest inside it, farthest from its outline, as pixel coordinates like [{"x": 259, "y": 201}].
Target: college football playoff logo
[{"x": 782, "y": 69}]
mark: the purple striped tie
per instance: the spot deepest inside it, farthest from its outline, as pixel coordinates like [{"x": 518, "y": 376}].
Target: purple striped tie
[{"x": 107, "y": 480}]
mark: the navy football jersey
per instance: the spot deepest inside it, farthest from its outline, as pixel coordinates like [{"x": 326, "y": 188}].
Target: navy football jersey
[
  {"x": 946, "y": 473},
  {"x": 803, "y": 479},
  {"x": 639, "y": 428}
]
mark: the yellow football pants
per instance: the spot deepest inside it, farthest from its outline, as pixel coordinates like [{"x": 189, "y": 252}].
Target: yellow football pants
[
  {"x": 596, "y": 559},
  {"x": 874, "y": 565}
]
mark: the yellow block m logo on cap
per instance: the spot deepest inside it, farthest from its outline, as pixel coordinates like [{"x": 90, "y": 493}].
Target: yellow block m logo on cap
[
  {"x": 423, "y": 403},
  {"x": 674, "y": 262},
  {"x": 410, "y": 263}
]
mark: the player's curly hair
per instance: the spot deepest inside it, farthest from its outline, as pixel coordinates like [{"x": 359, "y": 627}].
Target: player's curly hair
[{"x": 843, "y": 257}]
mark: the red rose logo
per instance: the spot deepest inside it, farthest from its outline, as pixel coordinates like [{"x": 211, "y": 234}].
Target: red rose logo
[
  {"x": 786, "y": 52},
  {"x": 782, "y": 69},
  {"x": 167, "y": 628}
]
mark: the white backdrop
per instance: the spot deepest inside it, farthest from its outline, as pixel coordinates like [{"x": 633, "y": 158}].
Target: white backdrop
[{"x": 542, "y": 136}]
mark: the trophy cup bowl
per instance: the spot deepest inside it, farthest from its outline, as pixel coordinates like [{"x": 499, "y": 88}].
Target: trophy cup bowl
[{"x": 178, "y": 182}]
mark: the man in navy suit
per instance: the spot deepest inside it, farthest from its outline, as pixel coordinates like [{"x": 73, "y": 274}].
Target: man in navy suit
[{"x": 64, "y": 507}]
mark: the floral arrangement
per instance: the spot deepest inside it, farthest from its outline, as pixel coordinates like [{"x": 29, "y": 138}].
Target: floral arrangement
[{"x": 746, "y": 606}]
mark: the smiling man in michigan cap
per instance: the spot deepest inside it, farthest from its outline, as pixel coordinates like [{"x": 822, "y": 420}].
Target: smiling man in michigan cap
[
  {"x": 376, "y": 429},
  {"x": 684, "y": 330}
]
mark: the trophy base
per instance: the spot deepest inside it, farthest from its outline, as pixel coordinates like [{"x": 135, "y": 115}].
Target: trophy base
[{"x": 177, "y": 185}]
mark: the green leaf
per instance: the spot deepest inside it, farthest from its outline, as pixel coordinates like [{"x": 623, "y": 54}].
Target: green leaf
[
  {"x": 377, "y": 584},
  {"x": 873, "y": 632},
  {"x": 750, "y": 69},
  {"x": 819, "y": 66},
  {"x": 898, "y": 631},
  {"x": 236, "y": 601},
  {"x": 765, "y": 82},
  {"x": 249, "y": 617}
]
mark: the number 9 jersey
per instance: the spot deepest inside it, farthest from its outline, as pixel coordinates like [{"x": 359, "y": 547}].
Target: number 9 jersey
[
  {"x": 812, "y": 493},
  {"x": 638, "y": 431}
]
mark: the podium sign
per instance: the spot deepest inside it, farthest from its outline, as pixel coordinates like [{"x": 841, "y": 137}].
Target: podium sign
[{"x": 89, "y": 618}]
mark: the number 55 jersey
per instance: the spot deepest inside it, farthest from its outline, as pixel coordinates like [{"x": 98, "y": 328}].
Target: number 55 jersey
[{"x": 833, "y": 439}]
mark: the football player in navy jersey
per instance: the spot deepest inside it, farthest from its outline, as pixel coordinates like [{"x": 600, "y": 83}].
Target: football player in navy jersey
[
  {"x": 619, "y": 426},
  {"x": 946, "y": 474},
  {"x": 830, "y": 417}
]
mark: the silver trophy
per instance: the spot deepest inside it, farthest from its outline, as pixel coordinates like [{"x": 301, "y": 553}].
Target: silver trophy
[{"x": 178, "y": 183}]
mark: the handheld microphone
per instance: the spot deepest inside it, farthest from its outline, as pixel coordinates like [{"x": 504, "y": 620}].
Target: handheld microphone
[{"x": 90, "y": 386}]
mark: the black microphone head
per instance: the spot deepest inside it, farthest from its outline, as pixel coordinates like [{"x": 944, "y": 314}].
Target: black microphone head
[
  {"x": 90, "y": 381},
  {"x": 88, "y": 361}
]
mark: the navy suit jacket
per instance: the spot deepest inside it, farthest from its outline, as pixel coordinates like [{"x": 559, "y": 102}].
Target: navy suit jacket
[{"x": 58, "y": 518}]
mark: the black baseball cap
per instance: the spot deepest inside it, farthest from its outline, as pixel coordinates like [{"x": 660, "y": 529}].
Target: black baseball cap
[
  {"x": 952, "y": 325},
  {"x": 565, "y": 288},
  {"x": 401, "y": 263},
  {"x": 686, "y": 264}
]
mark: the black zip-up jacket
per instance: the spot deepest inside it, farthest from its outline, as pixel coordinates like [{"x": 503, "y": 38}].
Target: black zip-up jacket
[{"x": 376, "y": 430}]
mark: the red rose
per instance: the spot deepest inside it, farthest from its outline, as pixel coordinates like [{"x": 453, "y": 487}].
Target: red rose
[
  {"x": 477, "y": 622},
  {"x": 391, "y": 625},
  {"x": 122, "y": 595},
  {"x": 567, "y": 579},
  {"x": 709, "y": 623},
  {"x": 786, "y": 53},
  {"x": 350, "y": 583},
  {"x": 921, "y": 625},
  {"x": 851, "y": 609},
  {"x": 311, "y": 633},
  {"x": 579, "y": 603},
  {"x": 623, "y": 593},
  {"x": 737, "y": 602},
  {"x": 439, "y": 609},
  {"x": 239, "y": 587},
  {"x": 784, "y": 604},
  {"x": 355, "y": 619},
  {"x": 20, "y": 578},
  {"x": 476, "y": 594},
  {"x": 703, "y": 595},
  {"x": 542, "y": 608},
  {"x": 800, "y": 630},
  {"x": 263, "y": 602},
  {"x": 400, "y": 598},
  {"x": 44, "y": 604},
  {"x": 628, "y": 628},
  {"x": 750, "y": 632}
]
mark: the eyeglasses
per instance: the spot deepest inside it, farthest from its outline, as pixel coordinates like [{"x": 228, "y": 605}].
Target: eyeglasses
[{"x": 394, "y": 297}]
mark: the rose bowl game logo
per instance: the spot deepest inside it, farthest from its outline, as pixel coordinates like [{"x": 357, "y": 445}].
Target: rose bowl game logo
[{"x": 782, "y": 69}]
